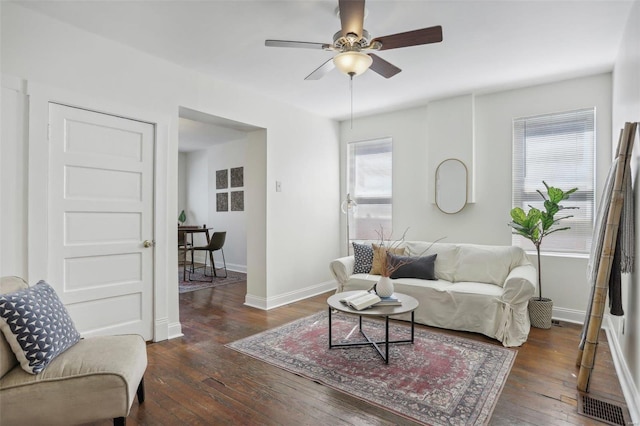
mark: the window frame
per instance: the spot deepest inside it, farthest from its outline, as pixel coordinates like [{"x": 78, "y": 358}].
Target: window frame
[
  {"x": 377, "y": 145},
  {"x": 580, "y": 123}
]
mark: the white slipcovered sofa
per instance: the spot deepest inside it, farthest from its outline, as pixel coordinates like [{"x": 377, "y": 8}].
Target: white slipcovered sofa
[{"x": 478, "y": 288}]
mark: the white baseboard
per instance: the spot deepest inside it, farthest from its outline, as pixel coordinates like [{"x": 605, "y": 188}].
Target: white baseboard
[
  {"x": 160, "y": 331},
  {"x": 174, "y": 330},
  {"x": 629, "y": 389},
  {"x": 234, "y": 267},
  {"x": 200, "y": 257},
  {"x": 568, "y": 315},
  {"x": 285, "y": 299}
]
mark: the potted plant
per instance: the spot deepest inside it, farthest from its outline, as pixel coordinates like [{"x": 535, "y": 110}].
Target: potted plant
[{"x": 534, "y": 225}]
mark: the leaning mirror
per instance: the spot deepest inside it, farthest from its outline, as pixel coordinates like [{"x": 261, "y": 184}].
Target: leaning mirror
[{"x": 451, "y": 186}]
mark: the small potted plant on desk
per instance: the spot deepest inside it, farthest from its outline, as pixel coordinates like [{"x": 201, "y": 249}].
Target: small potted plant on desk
[{"x": 534, "y": 226}]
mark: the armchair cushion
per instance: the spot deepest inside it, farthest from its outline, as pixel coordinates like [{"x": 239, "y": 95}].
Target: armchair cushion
[{"x": 37, "y": 326}]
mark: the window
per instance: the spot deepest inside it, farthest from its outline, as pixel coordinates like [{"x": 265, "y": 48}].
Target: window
[
  {"x": 559, "y": 149},
  {"x": 369, "y": 183}
]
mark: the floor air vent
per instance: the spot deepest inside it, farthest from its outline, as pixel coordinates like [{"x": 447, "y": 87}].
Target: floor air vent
[{"x": 602, "y": 409}]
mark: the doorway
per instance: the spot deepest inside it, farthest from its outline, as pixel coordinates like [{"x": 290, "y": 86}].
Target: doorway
[{"x": 213, "y": 181}]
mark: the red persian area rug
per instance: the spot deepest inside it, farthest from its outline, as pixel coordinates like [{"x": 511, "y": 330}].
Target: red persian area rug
[
  {"x": 437, "y": 380},
  {"x": 199, "y": 281}
]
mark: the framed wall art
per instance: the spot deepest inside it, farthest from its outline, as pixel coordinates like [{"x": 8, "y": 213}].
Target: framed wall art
[
  {"x": 237, "y": 177},
  {"x": 237, "y": 201},
  {"x": 222, "y": 201},
  {"x": 222, "y": 179}
]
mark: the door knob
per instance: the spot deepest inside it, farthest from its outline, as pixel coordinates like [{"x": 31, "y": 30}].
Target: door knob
[{"x": 148, "y": 243}]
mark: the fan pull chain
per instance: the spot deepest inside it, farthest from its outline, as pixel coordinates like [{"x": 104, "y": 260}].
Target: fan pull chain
[{"x": 351, "y": 92}]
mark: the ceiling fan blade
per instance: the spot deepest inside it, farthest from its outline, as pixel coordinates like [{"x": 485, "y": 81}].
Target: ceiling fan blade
[
  {"x": 299, "y": 44},
  {"x": 382, "y": 67},
  {"x": 351, "y": 16},
  {"x": 321, "y": 70},
  {"x": 410, "y": 38}
]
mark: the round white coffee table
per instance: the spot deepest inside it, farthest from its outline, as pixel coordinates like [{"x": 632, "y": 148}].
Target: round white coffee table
[{"x": 409, "y": 304}]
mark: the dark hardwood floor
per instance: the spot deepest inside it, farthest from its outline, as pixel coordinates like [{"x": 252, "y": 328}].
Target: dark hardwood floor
[{"x": 195, "y": 380}]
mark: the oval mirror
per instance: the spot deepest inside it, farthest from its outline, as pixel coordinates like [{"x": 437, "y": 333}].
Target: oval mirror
[{"x": 451, "y": 186}]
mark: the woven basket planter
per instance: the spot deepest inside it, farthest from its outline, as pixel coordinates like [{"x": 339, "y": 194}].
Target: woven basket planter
[{"x": 540, "y": 312}]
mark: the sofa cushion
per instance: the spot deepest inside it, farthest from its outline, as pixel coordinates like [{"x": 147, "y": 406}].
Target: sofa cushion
[
  {"x": 379, "y": 253},
  {"x": 446, "y": 262},
  {"x": 363, "y": 256},
  {"x": 485, "y": 264},
  {"x": 414, "y": 267},
  {"x": 37, "y": 326}
]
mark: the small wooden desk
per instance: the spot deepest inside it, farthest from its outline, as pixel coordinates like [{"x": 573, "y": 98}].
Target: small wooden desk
[{"x": 190, "y": 230}]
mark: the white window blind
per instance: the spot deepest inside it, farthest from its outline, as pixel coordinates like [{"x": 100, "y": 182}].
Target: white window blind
[
  {"x": 369, "y": 181},
  {"x": 558, "y": 149}
]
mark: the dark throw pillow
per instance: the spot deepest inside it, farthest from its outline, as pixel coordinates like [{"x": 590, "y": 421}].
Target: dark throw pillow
[
  {"x": 415, "y": 267},
  {"x": 363, "y": 255},
  {"x": 37, "y": 326}
]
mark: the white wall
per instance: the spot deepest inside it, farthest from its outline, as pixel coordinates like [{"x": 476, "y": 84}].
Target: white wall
[
  {"x": 563, "y": 278},
  {"x": 13, "y": 183},
  {"x": 301, "y": 149},
  {"x": 626, "y": 108},
  {"x": 182, "y": 185},
  {"x": 485, "y": 221},
  {"x": 197, "y": 189},
  {"x": 201, "y": 191},
  {"x": 225, "y": 157},
  {"x": 450, "y": 131}
]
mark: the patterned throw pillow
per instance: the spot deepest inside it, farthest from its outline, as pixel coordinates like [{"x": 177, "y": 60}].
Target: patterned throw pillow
[
  {"x": 363, "y": 255},
  {"x": 37, "y": 326}
]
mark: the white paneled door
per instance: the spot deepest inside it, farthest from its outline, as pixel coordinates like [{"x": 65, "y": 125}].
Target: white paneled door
[{"x": 101, "y": 219}]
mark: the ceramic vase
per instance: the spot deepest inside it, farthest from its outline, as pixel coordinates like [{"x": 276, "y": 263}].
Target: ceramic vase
[{"x": 384, "y": 288}]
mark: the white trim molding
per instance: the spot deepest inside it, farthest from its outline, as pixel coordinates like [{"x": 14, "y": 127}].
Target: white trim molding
[
  {"x": 286, "y": 298},
  {"x": 175, "y": 330},
  {"x": 568, "y": 315},
  {"x": 629, "y": 390}
]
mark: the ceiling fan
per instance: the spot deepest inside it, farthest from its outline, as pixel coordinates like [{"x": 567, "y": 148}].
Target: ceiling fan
[{"x": 354, "y": 44}]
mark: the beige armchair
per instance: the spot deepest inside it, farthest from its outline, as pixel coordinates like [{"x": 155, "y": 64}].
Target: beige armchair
[{"x": 95, "y": 379}]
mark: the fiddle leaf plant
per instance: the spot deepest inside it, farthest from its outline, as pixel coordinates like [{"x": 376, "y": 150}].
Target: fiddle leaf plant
[{"x": 536, "y": 224}]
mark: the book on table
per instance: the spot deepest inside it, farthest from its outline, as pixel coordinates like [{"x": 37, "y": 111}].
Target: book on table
[
  {"x": 360, "y": 301},
  {"x": 389, "y": 301},
  {"x": 365, "y": 299}
]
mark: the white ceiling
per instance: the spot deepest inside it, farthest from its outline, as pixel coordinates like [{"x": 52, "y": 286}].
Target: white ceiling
[
  {"x": 198, "y": 131},
  {"x": 487, "y": 45}
]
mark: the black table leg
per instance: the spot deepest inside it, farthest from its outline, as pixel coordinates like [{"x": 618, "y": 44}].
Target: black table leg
[
  {"x": 330, "y": 346},
  {"x": 386, "y": 339}
]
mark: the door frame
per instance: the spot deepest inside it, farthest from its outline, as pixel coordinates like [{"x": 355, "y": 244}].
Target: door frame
[{"x": 38, "y": 160}]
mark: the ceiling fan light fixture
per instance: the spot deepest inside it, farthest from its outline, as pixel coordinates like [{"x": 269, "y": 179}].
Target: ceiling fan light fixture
[{"x": 352, "y": 63}]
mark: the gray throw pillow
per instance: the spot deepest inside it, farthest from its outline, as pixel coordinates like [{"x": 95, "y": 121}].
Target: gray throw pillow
[
  {"x": 37, "y": 326},
  {"x": 415, "y": 267},
  {"x": 363, "y": 255}
]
